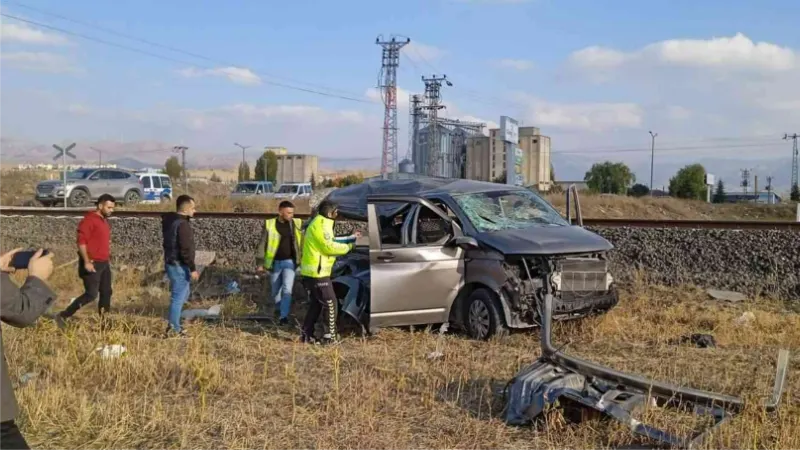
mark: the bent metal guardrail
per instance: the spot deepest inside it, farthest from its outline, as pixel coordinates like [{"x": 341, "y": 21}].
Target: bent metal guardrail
[{"x": 587, "y": 222}]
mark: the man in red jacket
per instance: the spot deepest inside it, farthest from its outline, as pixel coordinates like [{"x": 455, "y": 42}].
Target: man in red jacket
[{"x": 94, "y": 267}]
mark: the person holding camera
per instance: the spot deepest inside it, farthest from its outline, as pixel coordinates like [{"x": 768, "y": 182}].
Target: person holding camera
[
  {"x": 94, "y": 268},
  {"x": 20, "y": 307}
]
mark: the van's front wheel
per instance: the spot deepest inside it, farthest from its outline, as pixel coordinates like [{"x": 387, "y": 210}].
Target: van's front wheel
[{"x": 483, "y": 317}]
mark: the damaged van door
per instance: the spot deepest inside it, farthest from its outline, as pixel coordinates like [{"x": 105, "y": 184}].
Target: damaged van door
[{"x": 415, "y": 264}]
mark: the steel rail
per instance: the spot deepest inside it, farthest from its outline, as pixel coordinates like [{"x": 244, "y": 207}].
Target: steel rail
[{"x": 587, "y": 222}]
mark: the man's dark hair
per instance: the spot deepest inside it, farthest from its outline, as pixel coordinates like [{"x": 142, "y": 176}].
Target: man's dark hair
[
  {"x": 182, "y": 201},
  {"x": 286, "y": 204},
  {"x": 105, "y": 198},
  {"x": 326, "y": 207}
]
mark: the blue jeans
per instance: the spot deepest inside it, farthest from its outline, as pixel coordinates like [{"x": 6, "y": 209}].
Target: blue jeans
[
  {"x": 179, "y": 290},
  {"x": 282, "y": 281}
]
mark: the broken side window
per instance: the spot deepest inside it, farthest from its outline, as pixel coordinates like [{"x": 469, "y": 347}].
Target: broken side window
[
  {"x": 430, "y": 228},
  {"x": 391, "y": 227}
]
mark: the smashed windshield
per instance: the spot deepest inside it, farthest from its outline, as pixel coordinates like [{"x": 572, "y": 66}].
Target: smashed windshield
[{"x": 506, "y": 210}]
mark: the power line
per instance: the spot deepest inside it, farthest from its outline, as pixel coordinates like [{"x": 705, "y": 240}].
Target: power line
[
  {"x": 163, "y": 46},
  {"x": 175, "y": 60}
]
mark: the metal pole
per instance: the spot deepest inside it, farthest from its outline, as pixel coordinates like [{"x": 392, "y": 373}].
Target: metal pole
[
  {"x": 64, "y": 167},
  {"x": 652, "y": 158}
]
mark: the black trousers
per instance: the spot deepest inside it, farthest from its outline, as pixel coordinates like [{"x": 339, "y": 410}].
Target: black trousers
[
  {"x": 11, "y": 438},
  {"x": 321, "y": 297},
  {"x": 95, "y": 282}
]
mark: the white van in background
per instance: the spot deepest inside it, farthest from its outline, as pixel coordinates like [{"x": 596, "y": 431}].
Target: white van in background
[{"x": 157, "y": 187}]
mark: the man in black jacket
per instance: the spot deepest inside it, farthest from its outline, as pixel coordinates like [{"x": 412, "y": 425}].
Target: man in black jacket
[
  {"x": 179, "y": 259},
  {"x": 20, "y": 307}
]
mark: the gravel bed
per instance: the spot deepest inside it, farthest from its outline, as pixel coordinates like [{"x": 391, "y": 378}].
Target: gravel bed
[{"x": 748, "y": 261}]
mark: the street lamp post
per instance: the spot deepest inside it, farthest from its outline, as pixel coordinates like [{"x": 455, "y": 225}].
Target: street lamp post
[
  {"x": 652, "y": 157},
  {"x": 243, "y": 147}
]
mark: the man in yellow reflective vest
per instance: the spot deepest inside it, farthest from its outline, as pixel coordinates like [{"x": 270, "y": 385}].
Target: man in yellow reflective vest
[
  {"x": 320, "y": 249},
  {"x": 278, "y": 252}
]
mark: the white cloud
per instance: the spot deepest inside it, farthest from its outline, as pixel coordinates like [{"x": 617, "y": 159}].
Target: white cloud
[
  {"x": 676, "y": 112},
  {"x": 417, "y": 50},
  {"x": 238, "y": 75},
  {"x": 725, "y": 53},
  {"x": 39, "y": 62},
  {"x": 26, "y": 34},
  {"x": 403, "y": 97},
  {"x": 514, "y": 64},
  {"x": 585, "y": 116}
]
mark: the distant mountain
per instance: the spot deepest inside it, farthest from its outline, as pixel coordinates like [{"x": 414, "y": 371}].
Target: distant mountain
[{"x": 133, "y": 164}]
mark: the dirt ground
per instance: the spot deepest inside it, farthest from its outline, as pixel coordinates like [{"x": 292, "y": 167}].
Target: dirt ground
[{"x": 247, "y": 385}]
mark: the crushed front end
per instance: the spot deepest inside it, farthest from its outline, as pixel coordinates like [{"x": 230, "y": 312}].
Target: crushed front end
[{"x": 583, "y": 285}]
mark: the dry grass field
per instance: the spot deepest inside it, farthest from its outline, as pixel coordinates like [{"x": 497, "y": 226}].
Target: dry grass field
[{"x": 238, "y": 385}]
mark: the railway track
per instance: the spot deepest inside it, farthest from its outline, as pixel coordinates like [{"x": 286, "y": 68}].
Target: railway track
[{"x": 590, "y": 222}]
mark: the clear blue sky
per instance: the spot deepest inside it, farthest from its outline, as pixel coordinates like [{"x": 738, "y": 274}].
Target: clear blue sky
[{"x": 667, "y": 65}]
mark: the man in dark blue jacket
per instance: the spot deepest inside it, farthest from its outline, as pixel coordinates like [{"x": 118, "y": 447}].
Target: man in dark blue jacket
[{"x": 179, "y": 259}]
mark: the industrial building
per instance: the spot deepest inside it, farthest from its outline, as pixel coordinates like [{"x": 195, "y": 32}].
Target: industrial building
[
  {"x": 276, "y": 150},
  {"x": 451, "y": 149},
  {"x": 296, "y": 168},
  {"x": 486, "y": 157}
]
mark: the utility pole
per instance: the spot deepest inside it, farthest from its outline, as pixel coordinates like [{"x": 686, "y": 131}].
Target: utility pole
[
  {"x": 99, "y": 156},
  {"x": 414, "y": 117},
  {"x": 795, "y": 158},
  {"x": 769, "y": 189},
  {"x": 390, "y": 61},
  {"x": 433, "y": 103},
  {"x": 652, "y": 158},
  {"x": 241, "y": 169},
  {"x": 182, "y": 150}
]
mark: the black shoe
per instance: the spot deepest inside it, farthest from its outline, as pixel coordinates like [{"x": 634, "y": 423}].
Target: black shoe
[
  {"x": 284, "y": 321},
  {"x": 305, "y": 339},
  {"x": 60, "y": 321},
  {"x": 170, "y": 333},
  {"x": 330, "y": 341}
]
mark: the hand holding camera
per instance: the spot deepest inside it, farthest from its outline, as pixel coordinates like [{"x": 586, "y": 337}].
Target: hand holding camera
[{"x": 39, "y": 263}]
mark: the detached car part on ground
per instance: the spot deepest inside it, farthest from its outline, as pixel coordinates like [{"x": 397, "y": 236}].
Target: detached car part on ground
[
  {"x": 473, "y": 254},
  {"x": 580, "y": 385}
]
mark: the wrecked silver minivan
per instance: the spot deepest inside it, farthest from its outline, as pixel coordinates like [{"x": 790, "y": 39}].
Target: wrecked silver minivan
[{"x": 472, "y": 254}]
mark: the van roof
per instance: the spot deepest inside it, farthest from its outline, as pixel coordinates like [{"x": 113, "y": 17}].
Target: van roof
[{"x": 152, "y": 173}]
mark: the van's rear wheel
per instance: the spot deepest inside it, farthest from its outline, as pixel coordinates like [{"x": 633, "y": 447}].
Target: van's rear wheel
[{"x": 483, "y": 317}]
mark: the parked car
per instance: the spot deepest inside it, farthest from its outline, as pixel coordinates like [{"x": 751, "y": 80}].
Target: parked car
[
  {"x": 157, "y": 187},
  {"x": 85, "y": 185},
  {"x": 248, "y": 189},
  {"x": 294, "y": 190},
  {"x": 473, "y": 254}
]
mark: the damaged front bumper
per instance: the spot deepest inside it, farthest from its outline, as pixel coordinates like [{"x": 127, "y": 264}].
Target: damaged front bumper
[{"x": 558, "y": 377}]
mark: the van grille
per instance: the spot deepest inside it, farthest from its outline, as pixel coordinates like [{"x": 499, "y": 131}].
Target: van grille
[{"x": 582, "y": 274}]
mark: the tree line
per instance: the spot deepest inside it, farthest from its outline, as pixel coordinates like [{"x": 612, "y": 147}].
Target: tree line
[{"x": 688, "y": 183}]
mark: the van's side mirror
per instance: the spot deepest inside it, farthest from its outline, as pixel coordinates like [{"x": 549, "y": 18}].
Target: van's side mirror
[{"x": 465, "y": 242}]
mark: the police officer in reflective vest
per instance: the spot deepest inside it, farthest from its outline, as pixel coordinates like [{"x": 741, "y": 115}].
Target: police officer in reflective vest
[
  {"x": 320, "y": 250},
  {"x": 279, "y": 251}
]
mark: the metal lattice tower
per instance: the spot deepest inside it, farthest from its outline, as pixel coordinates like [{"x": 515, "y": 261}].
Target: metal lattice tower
[
  {"x": 388, "y": 79},
  {"x": 795, "y": 174},
  {"x": 433, "y": 103},
  {"x": 745, "y": 179},
  {"x": 414, "y": 118}
]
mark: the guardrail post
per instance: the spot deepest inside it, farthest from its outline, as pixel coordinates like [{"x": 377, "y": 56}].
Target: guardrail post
[{"x": 797, "y": 218}]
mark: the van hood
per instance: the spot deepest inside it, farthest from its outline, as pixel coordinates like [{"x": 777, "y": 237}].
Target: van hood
[{"x": 545, "y": 241}]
